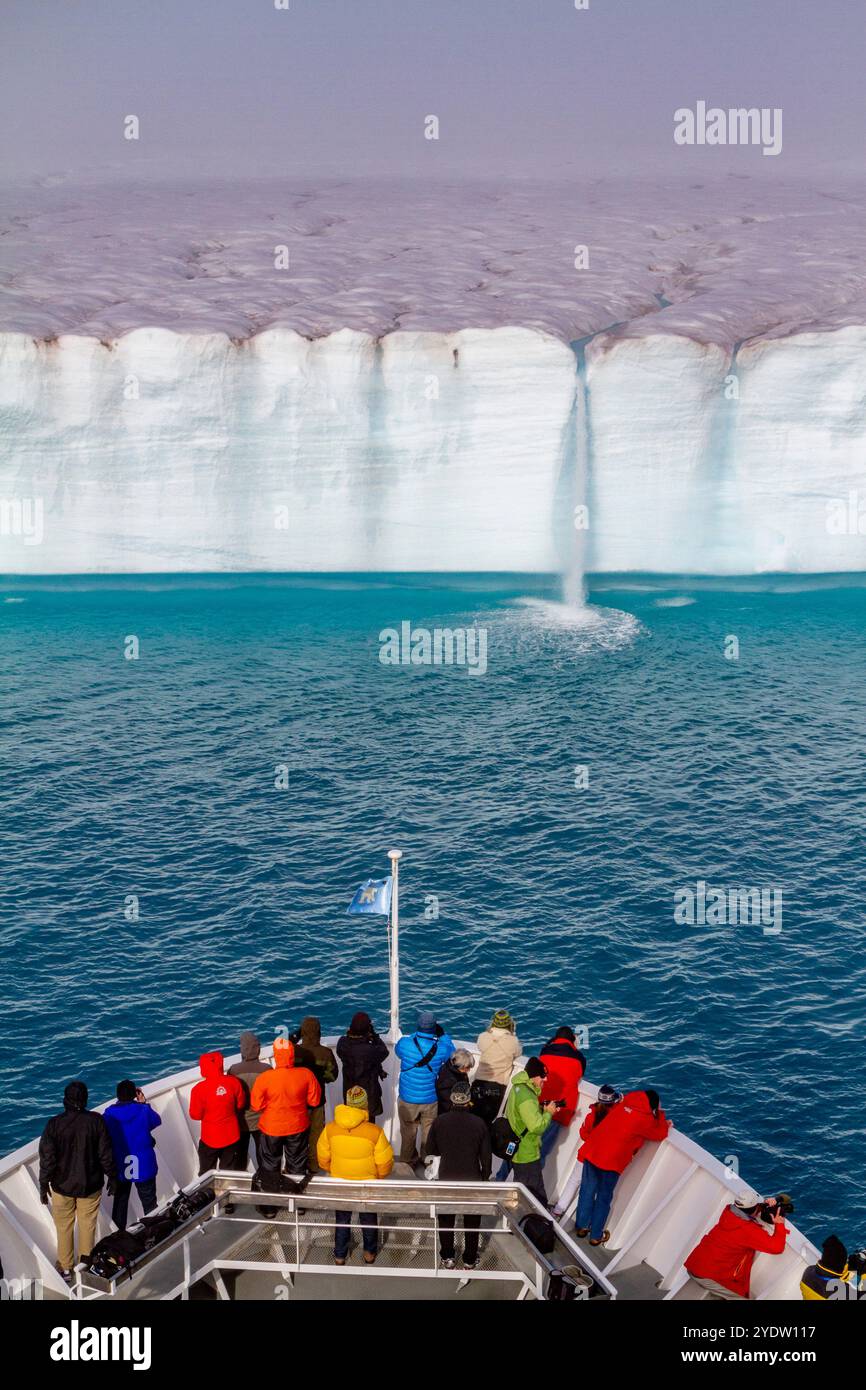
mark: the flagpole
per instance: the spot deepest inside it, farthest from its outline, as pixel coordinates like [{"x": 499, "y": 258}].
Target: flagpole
[{"x": 395, "y": 855}]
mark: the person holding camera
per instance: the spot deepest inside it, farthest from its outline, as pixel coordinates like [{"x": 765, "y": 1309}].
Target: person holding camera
[
  {"x": 131, "y": 1122},
  {"x": 722, "y": 1262},
  {"x": 361, "y": 1052},
  {"x": 528, "y": 1119}
]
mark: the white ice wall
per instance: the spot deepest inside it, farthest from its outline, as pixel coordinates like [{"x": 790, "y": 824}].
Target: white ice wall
[{"x": 163, "y": 451}]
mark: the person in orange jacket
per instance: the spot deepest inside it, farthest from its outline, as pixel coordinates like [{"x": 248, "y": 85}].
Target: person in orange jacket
[
  {"x": 284, "y": 1098},
  {"x": 216, "y": 1101},
  {"x": 722, "y": 1261},
  {"x": 607, "y": 1151},
  {"x": 352, "y": 1148}
]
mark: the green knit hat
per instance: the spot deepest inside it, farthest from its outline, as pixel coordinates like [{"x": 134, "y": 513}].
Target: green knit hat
[
  {"x": 356, "y": 1096},
  {"x": 502, "y": 1019}
]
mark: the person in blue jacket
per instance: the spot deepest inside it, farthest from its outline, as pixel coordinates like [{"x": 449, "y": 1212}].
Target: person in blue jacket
[
  {"x": 131, "y": 1123},
  {"x": 421, "y": 1055}
]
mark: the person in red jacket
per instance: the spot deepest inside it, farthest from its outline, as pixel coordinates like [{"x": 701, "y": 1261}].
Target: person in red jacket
[
  {"x": 216, "y": 1101},
  {"x": 608, "y": 1096},
  {"x": 607, "y": 1151},
  {"x": 722, "y": 1261},
  {"x": 565, "y": 1067},
  {"x": 284, "y": 1098}
]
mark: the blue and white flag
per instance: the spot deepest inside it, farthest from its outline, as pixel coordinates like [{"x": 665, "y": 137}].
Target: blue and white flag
[{"x": 372, "y": 896}]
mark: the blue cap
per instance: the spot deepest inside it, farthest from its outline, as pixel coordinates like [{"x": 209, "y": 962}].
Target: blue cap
[{"x": 426, "y": 1022}]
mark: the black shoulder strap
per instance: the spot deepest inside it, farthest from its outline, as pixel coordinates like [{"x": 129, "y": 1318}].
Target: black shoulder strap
[{"x": 428, "y": 1056}]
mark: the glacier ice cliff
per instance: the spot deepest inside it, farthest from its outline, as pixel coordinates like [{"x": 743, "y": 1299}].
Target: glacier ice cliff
[{"x": 432, "y": 383}]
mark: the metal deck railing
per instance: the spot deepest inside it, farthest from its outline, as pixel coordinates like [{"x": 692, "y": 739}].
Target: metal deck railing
[{"x": 297, "y": 1239}]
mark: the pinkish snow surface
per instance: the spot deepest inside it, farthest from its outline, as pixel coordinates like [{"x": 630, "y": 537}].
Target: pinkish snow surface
[{"x": 737, "y": 259}]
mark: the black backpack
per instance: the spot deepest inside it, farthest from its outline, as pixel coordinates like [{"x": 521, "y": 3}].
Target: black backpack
[
  {"x": 539, "y": 1232},
  {"x": 116, "y": 1253}
]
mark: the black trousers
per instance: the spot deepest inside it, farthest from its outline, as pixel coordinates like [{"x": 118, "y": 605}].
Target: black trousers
[
  {"x": 486, "y": 1099},
  {"x": 532, "y": 1177},
  {"x": 471, "y": 1227},
  {"x": 294, "y": 1148},
  {"x": 209, "y": 1157},
  {"x": 120, "y": 1206},
  {"x": 243, "y": 1152}
]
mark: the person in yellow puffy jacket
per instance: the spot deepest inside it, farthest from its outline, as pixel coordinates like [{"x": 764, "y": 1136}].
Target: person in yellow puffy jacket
[{"x": 352, "y": 1148}]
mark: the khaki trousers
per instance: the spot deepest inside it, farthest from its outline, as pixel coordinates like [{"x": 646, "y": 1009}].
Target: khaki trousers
[
  {"x": 65, "y": 1211},
  {"x": 719, "y": 1291},
  {"x": 413, "y": 1117}
]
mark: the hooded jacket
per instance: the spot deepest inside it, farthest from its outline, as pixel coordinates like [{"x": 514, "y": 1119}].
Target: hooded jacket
[
  {"x": 613, "y": 1144},
  {"x": 311, "y": 1053},
  {"x": 597, "y": 1113},
  {"x": 131, "y": 1127},
  {"x": 526, "y": 1117},
  {"x": 75, "y": 1154},
  {"x": 247, "y": 1070},
  {"x": 727, "y": 1252},
  {"x": 565, "y": 1067},
  {"x": 498, "y": 1050},
  {"x": 351, "y": 1147},
  {"x": 215, "y": 1101},
  {"x": 417, "y": 1077},
  {"x": 362, "y": 1055},
  {"x": 285, "y": 1095}
]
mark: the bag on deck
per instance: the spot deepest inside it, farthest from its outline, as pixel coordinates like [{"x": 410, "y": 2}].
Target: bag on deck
[
  {"x": 539, "y": 1232},
  {"x": 187, "y": 1204},
  {"x": 568, "y": 1284},
  {"x": 155, "y": 1227},
  {"x": 116, "y": 1254}
]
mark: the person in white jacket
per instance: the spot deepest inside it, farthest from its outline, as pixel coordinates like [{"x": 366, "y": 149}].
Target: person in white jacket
[{"x": 498, "y": 1048}]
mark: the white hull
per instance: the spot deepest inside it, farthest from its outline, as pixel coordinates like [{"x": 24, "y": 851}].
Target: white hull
[{"x": 669, "y": 1196}]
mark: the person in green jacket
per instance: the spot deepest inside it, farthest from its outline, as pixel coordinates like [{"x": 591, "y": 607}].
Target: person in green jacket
[{"x": 529, "y": 1119}]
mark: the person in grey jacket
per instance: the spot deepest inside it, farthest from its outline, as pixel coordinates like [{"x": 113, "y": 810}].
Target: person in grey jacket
[{"x": 246, "y": 1070}]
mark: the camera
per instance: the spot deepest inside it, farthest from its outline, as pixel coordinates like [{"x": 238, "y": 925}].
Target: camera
[
  {"x": 857, "y": 1262},
  {"x": 781, "y": 1205}
]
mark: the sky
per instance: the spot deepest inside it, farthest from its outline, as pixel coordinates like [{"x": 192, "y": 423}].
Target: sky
[{"x": 521, "y": 88}]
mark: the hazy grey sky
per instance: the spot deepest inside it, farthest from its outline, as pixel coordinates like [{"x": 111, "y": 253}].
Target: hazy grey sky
[{"x": 521, "y": 87}]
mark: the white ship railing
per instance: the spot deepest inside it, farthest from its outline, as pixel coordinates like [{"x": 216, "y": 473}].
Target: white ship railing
[{"x": 668, "y": 1197}]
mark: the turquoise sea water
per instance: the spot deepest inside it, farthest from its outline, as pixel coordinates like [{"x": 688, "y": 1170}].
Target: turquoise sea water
[{"x": 155, "y": 778}]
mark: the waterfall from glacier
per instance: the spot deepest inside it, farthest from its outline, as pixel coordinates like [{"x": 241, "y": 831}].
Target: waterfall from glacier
[{"x": 574, "y": 492}]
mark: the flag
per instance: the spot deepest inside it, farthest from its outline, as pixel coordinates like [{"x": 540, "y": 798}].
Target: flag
[{"x": 372, "y": 896}]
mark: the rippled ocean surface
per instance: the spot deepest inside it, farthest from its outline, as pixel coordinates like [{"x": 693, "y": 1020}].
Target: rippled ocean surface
[{"x": 155, "y": 778}]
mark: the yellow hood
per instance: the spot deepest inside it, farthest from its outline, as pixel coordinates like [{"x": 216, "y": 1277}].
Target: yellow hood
[{"x": 349, "y": 1116}]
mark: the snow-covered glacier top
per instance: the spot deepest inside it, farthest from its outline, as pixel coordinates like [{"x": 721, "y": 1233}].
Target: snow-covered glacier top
[{"x": 719, "y": 262}]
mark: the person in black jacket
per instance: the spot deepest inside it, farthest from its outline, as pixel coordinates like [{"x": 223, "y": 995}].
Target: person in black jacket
[
  {"x": 361, "y": 1052},
  {"x": 75, "y": 1158},
  {"x": 462, "y": 1141},
  {"x": 452, "y": 1073}
]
